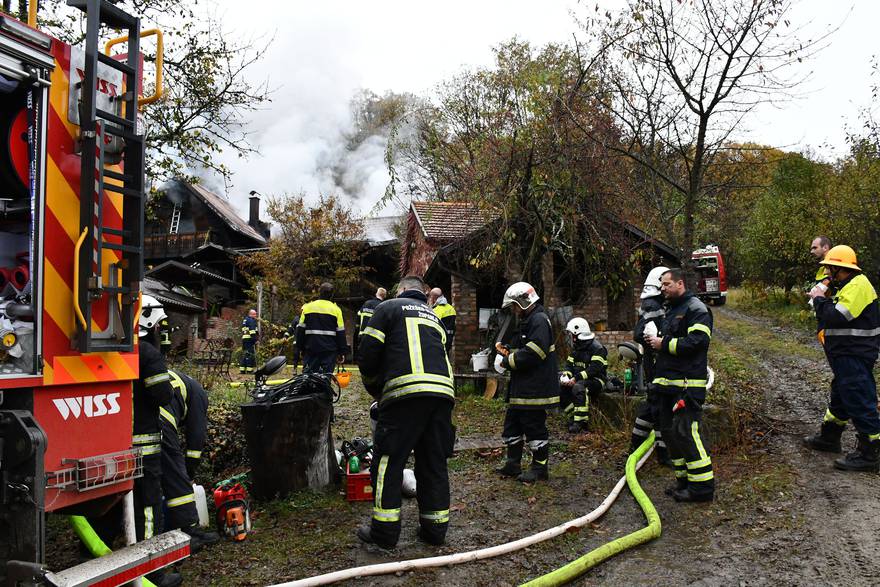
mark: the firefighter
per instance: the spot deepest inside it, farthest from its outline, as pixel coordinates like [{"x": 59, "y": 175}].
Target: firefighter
[
  {"x": 650, "y": 312},
  {"x": 248, "y": 342},
  {"x": 849, "y": 326},
  {"x": 445, "y": 312},
  {"x": 534, "y": 384},
  {"x": 585, "y": 374},
  {"x": 320, "y": 334},
  {"x": 366, "y": 312},
  {"x": 819, "y": 247},
  {"x": 188, "y": 413},
  {"x": 150, "y": 392},
  {"x": 404, "y": 366},
  {"x": 164, "y": 337},
  {"x": 680, "y": 378}
]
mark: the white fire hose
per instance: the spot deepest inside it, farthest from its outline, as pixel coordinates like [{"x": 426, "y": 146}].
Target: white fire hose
[{"x": 466, "y": 557}]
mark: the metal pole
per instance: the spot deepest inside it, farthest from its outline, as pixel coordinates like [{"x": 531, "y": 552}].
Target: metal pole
[
  {"x": 259, "y": 306},
  {"x": 128, "y": 527}
]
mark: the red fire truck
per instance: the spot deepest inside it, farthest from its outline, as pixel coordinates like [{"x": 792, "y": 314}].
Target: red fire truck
[
  {"x": 712, "y": 276},
  {"x": 71, "y": 262}
]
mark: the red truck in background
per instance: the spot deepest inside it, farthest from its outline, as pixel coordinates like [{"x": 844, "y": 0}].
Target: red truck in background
[{"x": 712, "y": 277}]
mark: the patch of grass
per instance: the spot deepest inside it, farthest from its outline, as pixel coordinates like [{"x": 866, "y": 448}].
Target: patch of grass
[
  {"x": 755, "y": 341},
  {"x": 477, "y": 416}
]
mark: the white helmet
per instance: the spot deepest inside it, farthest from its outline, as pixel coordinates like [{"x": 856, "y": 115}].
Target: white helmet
[
  {"x": 152, "y": 312},
  {"x": 652, "y": 282},
  {"x": 579, "y": 329},
  {"x": 521, "y": 293}
]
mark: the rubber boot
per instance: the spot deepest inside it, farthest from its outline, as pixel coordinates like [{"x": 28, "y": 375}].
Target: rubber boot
[
  {"x": 512, "y": 464},
  {"x": 662, "y": 456},
  {"x": 828, "y": 438},
  {"x": 681, "y": 484},
  {"x": 579, "y": 427},
  {"x": 538, "y": 469},
  {"x": 866, "y": 457},
  {"x": 199, "y": 538}
]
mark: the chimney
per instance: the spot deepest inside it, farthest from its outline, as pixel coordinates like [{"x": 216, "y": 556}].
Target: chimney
[{"x": 254, "y": 217}]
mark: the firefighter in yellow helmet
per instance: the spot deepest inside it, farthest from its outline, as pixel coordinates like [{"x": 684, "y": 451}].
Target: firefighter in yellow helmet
[{"x": 849, "y": 324}]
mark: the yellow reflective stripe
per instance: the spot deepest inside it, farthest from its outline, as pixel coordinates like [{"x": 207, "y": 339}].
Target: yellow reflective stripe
[
  {"x": 538, "y": 351},
  {"x": 182, "y": 500},
  {"x": 681, "y": 473},
  {"x": 599, "y": 359},
  {"x": 829, "y": 417},
  {"x": 417, "y": 388},
  {"x": 194, "y": 454},
  {"x": 146, "y": 438},
  {"x": 680, "y": 382},
  {"x": 151, "y": 449},
  {"x": 157, "y": 379},
  {"x": 438, "y": 516},
  {"x": 380, "y": 482},
  {"x": 168, "y": 416},
  {"x": 584, "y": 375},
  {"x": 700, "y": 477},
  {"x": 414, "y": 345},
  {"x": 537, "y": 401},
  {"x": 699, "y": 464},
  {"x": 381, "y": 515},
  {"x": 511, "y": 362},
  {"x": 419, "y": 378},
  {"x": 148, "y": 522},
  {"x": 701, "y": 328},
  {"x": 695, "y": 434},
  {"x": 375, "y": 333},
  {"x": 673, "y": 346},
  {"x": 874, "y": 436}
]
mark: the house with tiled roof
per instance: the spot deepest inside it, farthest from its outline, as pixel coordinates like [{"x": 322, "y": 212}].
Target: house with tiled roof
[{"x": 439, "y": 243}]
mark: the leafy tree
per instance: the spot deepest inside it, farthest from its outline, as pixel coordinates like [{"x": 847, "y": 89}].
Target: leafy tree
[
  {"x": 500, "y": 138},
  {"x": 209, "y": 87},
  {"x": 774, "y": 245},
  {"x": 678, "y": 78},
  {"x": 314, "y": 243}
]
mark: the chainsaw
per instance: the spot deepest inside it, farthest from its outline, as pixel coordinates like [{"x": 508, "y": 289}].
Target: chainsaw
[{"x": 233, "y": 509}]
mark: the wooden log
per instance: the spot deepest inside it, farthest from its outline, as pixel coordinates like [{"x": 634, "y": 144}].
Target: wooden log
[{"x": 289, "y": 445}]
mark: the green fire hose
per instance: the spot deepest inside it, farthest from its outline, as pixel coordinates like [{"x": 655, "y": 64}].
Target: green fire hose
[
  {"x": 93, "y": 542},
  {"x": 578, "y": 567}
]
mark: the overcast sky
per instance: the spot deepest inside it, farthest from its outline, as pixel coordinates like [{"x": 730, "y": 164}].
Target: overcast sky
[{"x": 325, "y": 51}]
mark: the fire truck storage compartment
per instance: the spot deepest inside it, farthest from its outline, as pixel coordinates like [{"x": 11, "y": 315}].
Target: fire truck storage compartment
[{"x": 20, "y": 105}]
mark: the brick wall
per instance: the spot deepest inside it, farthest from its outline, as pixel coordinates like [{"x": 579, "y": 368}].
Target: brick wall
[{"x": 467, "y": 323}]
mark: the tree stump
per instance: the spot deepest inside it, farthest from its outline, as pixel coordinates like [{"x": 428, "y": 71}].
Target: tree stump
[{"x": 289, "y": 445}]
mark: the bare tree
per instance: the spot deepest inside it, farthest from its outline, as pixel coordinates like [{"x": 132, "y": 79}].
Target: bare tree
[{"x": 680, "y": 77}]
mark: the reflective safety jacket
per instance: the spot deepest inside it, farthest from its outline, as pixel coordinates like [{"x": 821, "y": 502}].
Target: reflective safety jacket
[
  {"x": 446, "y": 313},
  {"x": 151, "y": 391},
  {"x": 187, "y": 412},
  {"x": 650, "y": 310},
  {"x": 682, "y": 360},
  {"x": 850, "y": 320},
  {"x": 320, "y": 328},
  {"x": 248, "y": 331},
  {"x": 365, "y": 313},
  {"x": 822, "y": 274},
  {"x": 588, "y": 360},
  {"x": 534, "y": 376},
  {"x": 402, "y": 353}
]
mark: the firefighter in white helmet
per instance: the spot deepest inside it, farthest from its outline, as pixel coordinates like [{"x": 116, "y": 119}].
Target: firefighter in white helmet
[
  {"x": 151, "y": 391},
  {"x": 651, "y": 313},
  {"x": 534, "y": 384},
  {"x": 585, "y": 373}
]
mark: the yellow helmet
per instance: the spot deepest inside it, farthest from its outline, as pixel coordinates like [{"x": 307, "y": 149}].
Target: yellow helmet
[{"x": 841, "y": 256}]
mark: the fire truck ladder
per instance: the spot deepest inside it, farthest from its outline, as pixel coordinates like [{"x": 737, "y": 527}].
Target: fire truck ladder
[{"x": 98, "y": 127}]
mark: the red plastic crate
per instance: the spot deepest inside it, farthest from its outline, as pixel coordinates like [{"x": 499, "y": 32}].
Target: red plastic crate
[{"x": 357, "y": 486}]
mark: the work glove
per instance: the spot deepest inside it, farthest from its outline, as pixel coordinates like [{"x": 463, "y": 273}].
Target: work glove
[{"x": 499, "y": 364}]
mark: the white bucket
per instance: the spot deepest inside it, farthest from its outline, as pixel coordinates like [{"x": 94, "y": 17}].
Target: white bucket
[
  {"x": 201, "y": 505},
  {"x": 480, "y": 361}
]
